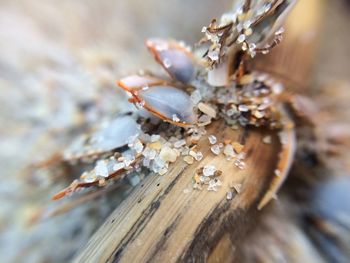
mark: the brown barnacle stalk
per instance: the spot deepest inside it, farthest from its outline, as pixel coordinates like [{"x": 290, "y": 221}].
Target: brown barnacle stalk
[
  {"x": 89, "y": 179},
  {"x": 241, "y": 34}
]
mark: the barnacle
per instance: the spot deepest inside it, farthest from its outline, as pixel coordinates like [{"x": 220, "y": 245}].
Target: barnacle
[
  {"x": 240, "y": 34},
  {"x": 246, "y": 28},
  {"x": 196, "y": 95}
]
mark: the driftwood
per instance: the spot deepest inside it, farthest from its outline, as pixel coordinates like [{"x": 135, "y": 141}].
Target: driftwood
[
  {"x": 164, "y": 220},
  {"x": 292, "y": 60}
]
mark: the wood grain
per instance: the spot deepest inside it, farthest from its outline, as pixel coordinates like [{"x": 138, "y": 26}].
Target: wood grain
[{"x": 159, "y": 222}]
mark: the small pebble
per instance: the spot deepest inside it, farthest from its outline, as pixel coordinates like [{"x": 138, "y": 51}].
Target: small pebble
[
  {"x": 155, "y": 145},
  {"x": 277, "y": 172},
  {"x": 215, "y": 149},
  {"x": 189, "y": 159},
  {"x": 246, "y": 79},
  {"x": 228, "y": 151},
  {"x": 167, "y": 154},
  {"x": 207, "y": 109},
  {"x": 175, "y": 118},
  {"x": 267, "y": 139},
  {"x": 243, "y": 108},
  {"x": 179, "y": 143},
  {"x": 212, "y": 139},
  {"x": 155, "y": 137},
  {"x": 138, "y": 146},
  {"x": 237, "y": 147},
  {"x": 258, "y": 114},
  {"x": 198, "y": 156},
  {"x": 209, "y": 170}
]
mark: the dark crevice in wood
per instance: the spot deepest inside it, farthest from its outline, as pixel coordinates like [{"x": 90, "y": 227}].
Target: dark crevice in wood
[
  {"x": 161, "y": 244},
  {"x": 144, "y": 219}
]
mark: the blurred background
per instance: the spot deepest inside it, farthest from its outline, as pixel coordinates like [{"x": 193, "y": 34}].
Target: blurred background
[{"x": 58, "y": 64}]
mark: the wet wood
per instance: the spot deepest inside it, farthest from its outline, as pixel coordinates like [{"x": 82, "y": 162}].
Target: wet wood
[{"x": 164, "y": 220}]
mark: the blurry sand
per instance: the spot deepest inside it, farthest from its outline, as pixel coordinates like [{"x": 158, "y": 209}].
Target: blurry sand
[{"x": 56, "y": 57}]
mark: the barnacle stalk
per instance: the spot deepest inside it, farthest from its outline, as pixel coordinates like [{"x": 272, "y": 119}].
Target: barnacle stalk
[{"x": 243, "y": 33}]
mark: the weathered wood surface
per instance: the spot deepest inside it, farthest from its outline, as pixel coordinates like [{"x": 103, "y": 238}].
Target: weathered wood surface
[{"x": 160, "y": 222}]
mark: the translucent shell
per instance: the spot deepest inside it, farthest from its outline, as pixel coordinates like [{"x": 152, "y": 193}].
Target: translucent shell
[
  {"x": 170, "y": 104},
  {"x": 174, "y": 58},
  {"x": 112, "y": 135},
  {"x": 137, "y": 82},
  {"x": 161, "y": 99},
  {"x": 116, "y": 133}
]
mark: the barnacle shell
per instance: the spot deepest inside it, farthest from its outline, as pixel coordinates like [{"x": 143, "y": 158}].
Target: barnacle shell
[
  {"x": 136, "y": 82},
  {"x": 169, "y": 103},
  {"x": 174, "y": 58},
  {"x": 264, "y": 29},
  {"x": 116, "y": 133},
  {"x": 110, "y": 136}
]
